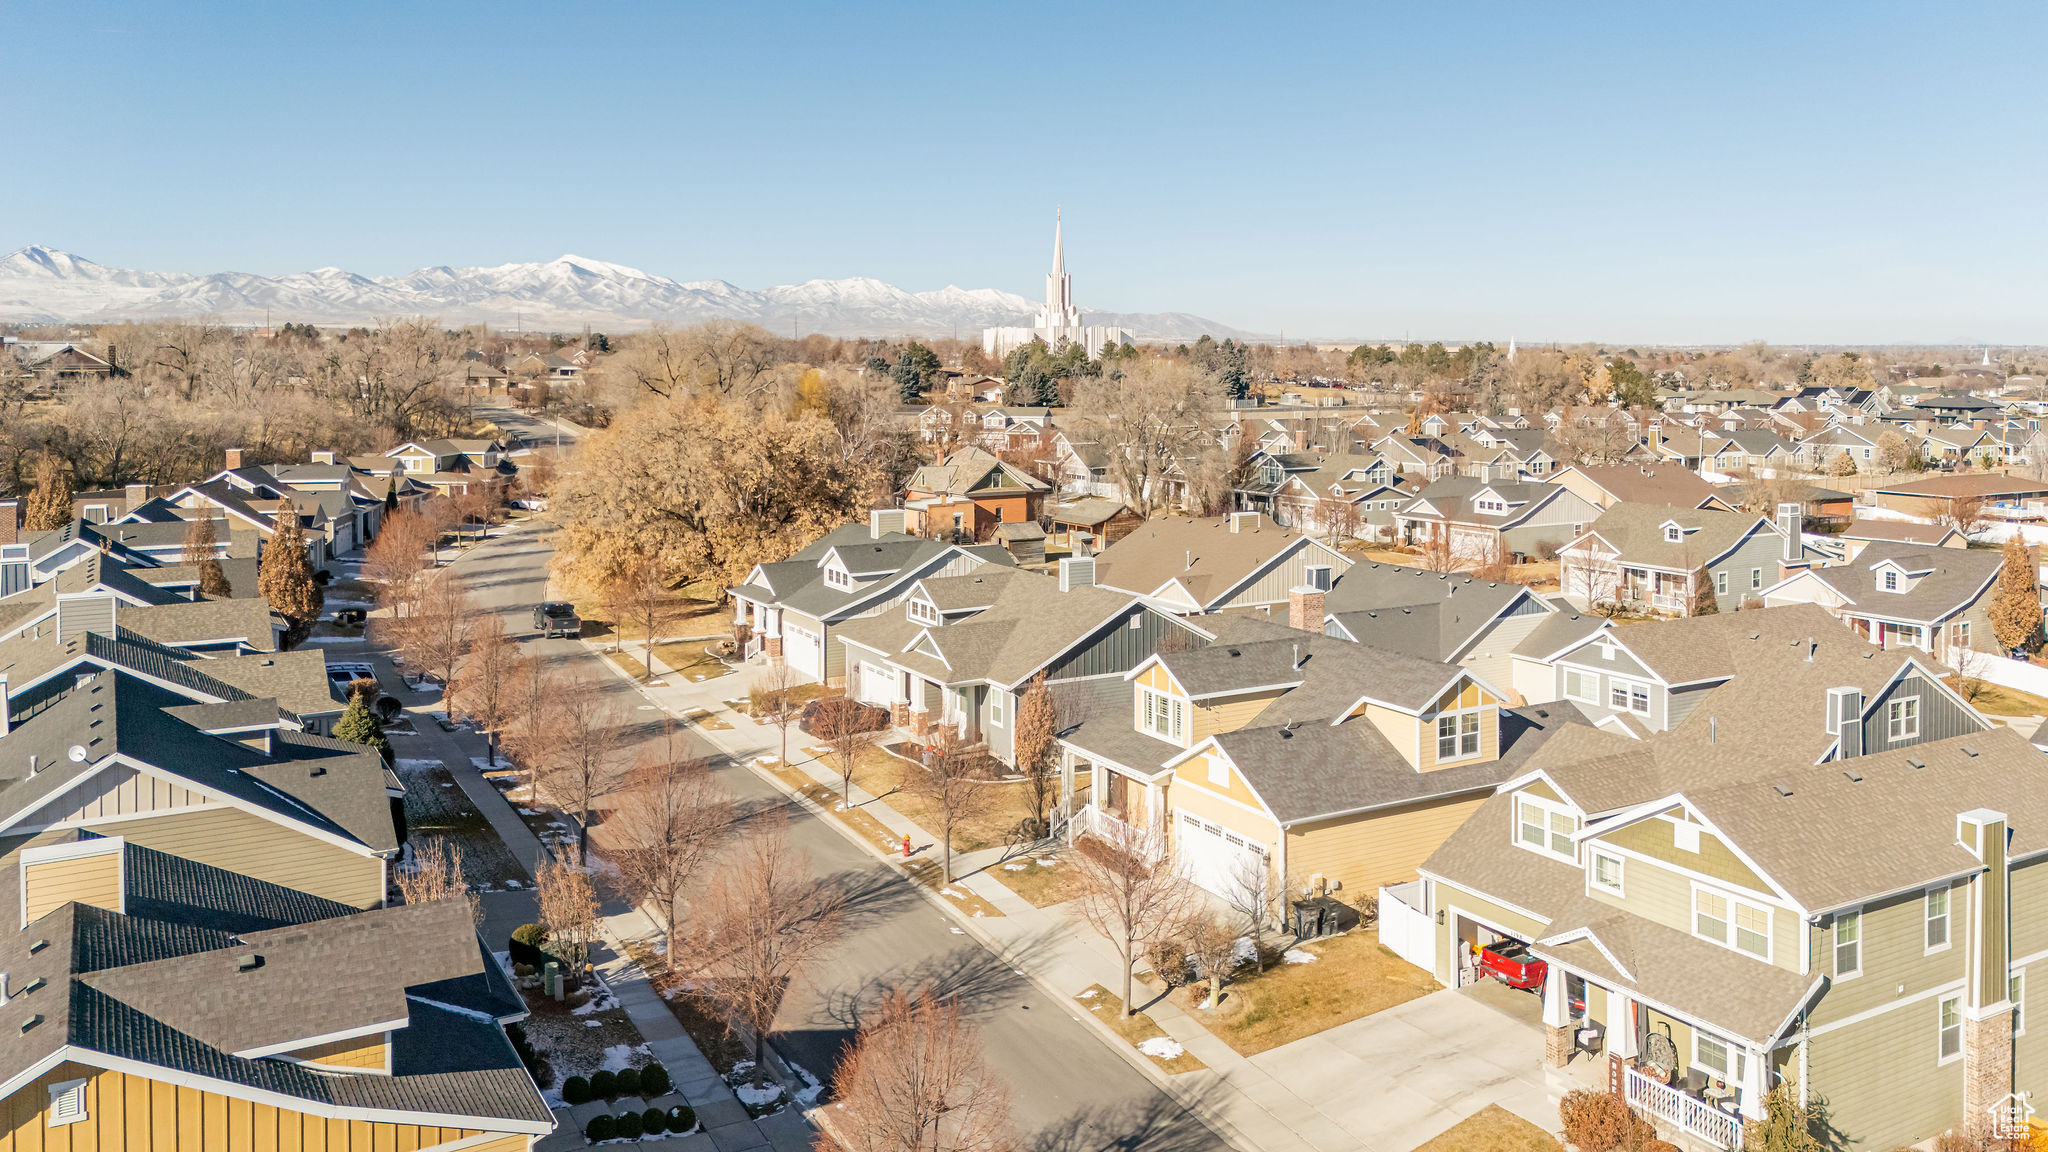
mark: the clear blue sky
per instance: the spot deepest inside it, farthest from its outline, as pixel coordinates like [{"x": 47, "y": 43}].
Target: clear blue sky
[{"x": 1630, "y": 172}]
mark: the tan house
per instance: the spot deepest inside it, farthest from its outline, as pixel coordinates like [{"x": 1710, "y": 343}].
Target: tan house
[{"x": 1192, "y": 567}]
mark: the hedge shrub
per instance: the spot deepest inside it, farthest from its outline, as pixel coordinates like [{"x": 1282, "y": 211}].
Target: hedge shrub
[
  {"x": 653, "y": 1121},
  {"x": 628, "y": 1081},
  {"x": 682, "y": 1118},
  {"x": 604, "y": 1085},
  {"x": 527, "y": 941},
  {"x": 626, "y": 1124},
  {"x": 599, "y": 1129},
  {"x": 654, "y": 1081},
  {"x": 575, "y": 1090}
]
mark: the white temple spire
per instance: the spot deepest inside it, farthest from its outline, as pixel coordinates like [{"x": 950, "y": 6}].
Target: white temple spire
[{"x": 1059, "y": 252}]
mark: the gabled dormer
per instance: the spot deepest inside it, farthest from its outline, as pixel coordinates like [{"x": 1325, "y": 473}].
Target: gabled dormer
[
  {"x": 1674, "y": 532},
  {"x": 1491, "y": 502},
  {"x": 1894, "y": 575},
  {"x": 1459, "y": 725}
]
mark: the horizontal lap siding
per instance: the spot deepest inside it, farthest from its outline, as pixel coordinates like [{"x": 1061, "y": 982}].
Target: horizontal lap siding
[
  {"x": 358, "y": 1052},
  {"x": 1894, "y": 955},
  {"x": 1492, "y": 656},
  {"x": 94, "y": 880},
  {"x": 1229, "y": 715},
  {"x": 253, "y": 846},
  {"x": 135, "y": 1114},
  {"x": 1880, "y": 1079},
  {"x": 1366, "y": 852}
]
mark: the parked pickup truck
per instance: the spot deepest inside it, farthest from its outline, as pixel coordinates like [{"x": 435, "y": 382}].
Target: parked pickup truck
[
  {"x": 1510, "y": 962},
  {"x": 556, "y": 618}
]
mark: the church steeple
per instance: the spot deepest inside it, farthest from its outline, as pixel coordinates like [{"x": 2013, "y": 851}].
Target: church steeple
[
  {"x": 1060, "y": 312},
  {"x": 1059, "y": 252}
]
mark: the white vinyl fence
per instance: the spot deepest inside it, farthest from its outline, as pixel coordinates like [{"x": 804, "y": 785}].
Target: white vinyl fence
[
  {"x": 1405, "y": 926},
  {"x": 2008, "y": 672}
]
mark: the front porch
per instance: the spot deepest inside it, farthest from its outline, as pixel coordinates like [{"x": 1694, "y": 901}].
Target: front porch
[
  {"x": 1656, "y": 590},
  {"x": 1105, "y": 799}
]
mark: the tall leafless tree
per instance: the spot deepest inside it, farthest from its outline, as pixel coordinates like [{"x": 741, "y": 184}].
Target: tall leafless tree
[
  {"x": 1130, "y": 889},
  {"x": 483, "y": 689},
  {"x": 671, "y": 818},
  {"x": 580, "y": 753},
  {"x": 915, "y": 1081},
  {"x": 951, "y": 781}
]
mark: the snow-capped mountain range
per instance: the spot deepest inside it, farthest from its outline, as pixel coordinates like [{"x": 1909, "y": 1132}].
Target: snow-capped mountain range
[{"x": 44, "y": 285}]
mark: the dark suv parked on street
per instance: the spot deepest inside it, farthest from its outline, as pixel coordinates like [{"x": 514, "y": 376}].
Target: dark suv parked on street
[{"x": 556, "y": 618}]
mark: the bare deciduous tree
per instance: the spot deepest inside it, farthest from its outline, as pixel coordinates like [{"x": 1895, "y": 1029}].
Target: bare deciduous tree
[
  {"x": 202, "y": 551},
  {"x": 644, "y": 594},
  {"x": 1965, "y": 514},
  {"x": 772, "y": 700},
  {"x": 437, "y": 639},
  {"x": 483, "y": 690},
  {"x": 951, "y": 781},
  {"x": 1248, "y": 893},
  {"x": 434, "y": 872},
  {"x": 1155, "y": 414},
  {"x": 848, "y": 735},
  {"x": 1132, "y": 891},
  {"x": 580, "y": 753},
  {"x": 760, "y": 919},
  {"x": 568, "y": 906},
  {"x": 915, "y": 1081},
  {"x": 1212, "y": 945},
  {"x": 395, "y": 562},
  {"x": 671, "y": 818}
]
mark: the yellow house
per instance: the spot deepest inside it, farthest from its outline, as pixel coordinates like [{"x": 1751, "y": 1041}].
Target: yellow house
[
  {"x": 156, "y": 1003},
  {"x": 1301, "y": 763}
]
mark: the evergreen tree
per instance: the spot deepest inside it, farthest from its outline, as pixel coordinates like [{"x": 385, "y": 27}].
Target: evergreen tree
[
  {"x": 286, "y": 578},
  {"x": 2016, "y": 600},
  {"x": 391, "y": 497},
  {"x": 202, "y": 552},
  {"x": 915, "y": 370},
  {"x": 1231, "y": 371},
  {"x": 1704, "y": 602},
  {"x": 359, "y": 725}
]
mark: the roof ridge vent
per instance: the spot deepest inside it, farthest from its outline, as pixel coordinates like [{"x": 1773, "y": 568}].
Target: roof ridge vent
[
  {"x": 1781, "y": 789},
  {"x": 1969, "y": 751},
  {"x": 1915, "y": 764},
  {"x": 1853, "y": 775}
]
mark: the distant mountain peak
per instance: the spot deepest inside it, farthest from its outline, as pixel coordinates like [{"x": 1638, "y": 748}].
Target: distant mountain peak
[{"x": 39, "y": 284}]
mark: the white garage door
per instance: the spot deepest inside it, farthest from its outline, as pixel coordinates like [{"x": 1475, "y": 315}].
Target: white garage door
[
  {"x": 1216, "y": 858},
  {"x": 873, "y": 683},
  {"x": 801, "y": 648}
]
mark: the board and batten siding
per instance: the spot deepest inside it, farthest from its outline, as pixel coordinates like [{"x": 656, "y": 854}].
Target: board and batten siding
[
  {"x": 1281, "y": 577},
  {"x": 49, "y": 884},
  {"x": 1116, "y": 647},
  {"x": 1940, "y": 716},
  {"x": 127, "y": 1113},
  {"x": 116, "y": 790},
  {"x": 370, "y": 1052},
  {"x": 1883, "y": 1079},
  {"x": 254, "y": 846}
]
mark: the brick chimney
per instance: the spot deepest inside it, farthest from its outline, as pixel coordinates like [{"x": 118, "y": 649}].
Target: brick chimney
[
  {"x": 1985, "y": 909},
  {"x": 137, "y": 495},
  {"x": 10, "y": 521},
  {"x": 1305, "y": 600},
  {"x": 234, "y": 458}
]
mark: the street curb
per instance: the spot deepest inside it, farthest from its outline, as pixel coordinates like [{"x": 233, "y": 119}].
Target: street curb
[{"x": 1186, "y": 1097}]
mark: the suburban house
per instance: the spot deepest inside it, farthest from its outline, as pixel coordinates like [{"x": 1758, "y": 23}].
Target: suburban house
[
  {"x": 790, "y": 607},
  {"x": 453, "y": 467},
  {"x": 1195, "y": 566},
  {"x": 1448, "y": 617},
  {"x": 1605, "y": 485},
  {"x": 1717, "y": 924},
  {"x": 1863, "y": 533},
  {"x": 1819, "y": 451},
  {"x": 1479, "y": 518},
  {"x": 1342, "y": 496},
  {"x": 968, "y": 493},
  {"x": 1746, "y": 450},
  {"x": 158, "y": 1001},
  {"x": 174, "y": 760},
  {"x": 1904, "y": 595},
  {"x": 1283, "y": 764},
  {"x": 1654, "y": 557},
  {"x": 1652, "y": 677},
  {"x": 962, "y": 650},
  {"x": 1928, "y": 499},
  {"x": 1090, "y": 524}
]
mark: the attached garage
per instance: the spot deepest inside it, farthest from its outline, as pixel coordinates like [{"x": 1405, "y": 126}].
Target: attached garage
[
  {"x": 874, "y": 684},
  {"x": 803, "y": 649},
  {"x": 1217, "y": 859}
]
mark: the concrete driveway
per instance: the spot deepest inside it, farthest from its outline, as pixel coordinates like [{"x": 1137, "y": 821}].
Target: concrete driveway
[{"x": 1397, "y": 1078}]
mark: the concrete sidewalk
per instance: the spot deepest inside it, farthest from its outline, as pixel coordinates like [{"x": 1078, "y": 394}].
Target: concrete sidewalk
[{"x": 1387, "y": 1082}]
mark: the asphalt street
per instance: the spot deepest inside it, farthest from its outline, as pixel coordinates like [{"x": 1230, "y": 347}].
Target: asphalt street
[{"x": 1070, "y": 1093}]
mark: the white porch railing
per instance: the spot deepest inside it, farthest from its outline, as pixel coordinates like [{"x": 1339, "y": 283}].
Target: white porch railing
[
  {"x": 1689, "y": 1113},
  {"x": 1090, "y": 819}
]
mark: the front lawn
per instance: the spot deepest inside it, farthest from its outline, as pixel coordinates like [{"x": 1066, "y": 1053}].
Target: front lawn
[
  {"x": 1008, "y": 803},
  {"x": 1350, "y": 977},
  {"x": 1998, "y": 700},
  {"x": 1492, "y": 1129},
  {"x": 1043, "y": 878},
  {"x": 435, "y": 805}
]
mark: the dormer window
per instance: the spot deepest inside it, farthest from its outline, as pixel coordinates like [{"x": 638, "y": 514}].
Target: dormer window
[
  {"x": 1546, "y": 827},
  {"x": 1489, "y": 504},
  {"x": 1890, "y": 580},
  {"x": 1672, "y": 534},
  {"x": 1457, "y": 735},
  {"x": 923, "y": 613},
  {"x": 838, "y": 578}
]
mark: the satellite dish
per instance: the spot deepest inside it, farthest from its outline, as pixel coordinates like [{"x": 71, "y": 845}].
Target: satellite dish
[{"x": 77, "y": 753}]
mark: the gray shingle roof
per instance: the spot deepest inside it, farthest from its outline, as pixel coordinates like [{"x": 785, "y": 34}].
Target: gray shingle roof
[
  {"x": 1956, "y": 578},
  {"x": 1637, "y": 533},
  {"x": 1205, "y": 556},
  {"x": 1427, "y": 614}
]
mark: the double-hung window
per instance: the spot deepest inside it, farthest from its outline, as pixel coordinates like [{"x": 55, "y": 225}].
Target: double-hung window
[
  {"x": 1628, "y": 696},
  {"x": 1721, "y": 583},
  {"x": 1848, "y": 944},
  {"x": 1607, "y": 872},
  {"x": 1937, "y": 918},
  {"x": 1718, "y": 1058},
  {"x": 1160, "y": 714},
  {"x": 995, "y": 708},
  {"x": 1583, "y": 686},
  {"x": 1457, "y": 735},
  {"x": 1902, "y": 719},
  {"x": 1756, "y": 577},
  {"x": 1733, "y": 922},
  {"x": 1542, "y": 826},
  {"x": 1950, "y": 1015}
]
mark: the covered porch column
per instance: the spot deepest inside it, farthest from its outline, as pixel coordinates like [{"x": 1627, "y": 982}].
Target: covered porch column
[
  {"x": 1557, "y": 1018},
  {"x": 1621, "y": 1025}
]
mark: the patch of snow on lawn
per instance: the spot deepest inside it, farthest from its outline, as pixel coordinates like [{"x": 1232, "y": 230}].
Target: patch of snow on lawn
[
  {"x": 409, "y": 765},
  {"x": 1161, "y": 1047},
  {"x": 1089, "y": 994},
  {"x": 954, "y": 893},
  {"x": 528, "y": 812},
  {"x": 619, "y": 1057},
  {"x": 808, "y": 1094},
  {"x": 1046, "y": 862},
  {"x": 1297, "y": 956},
  {"x": 1015, "y": 867},
  {"x": 761, "y": 1097}
]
